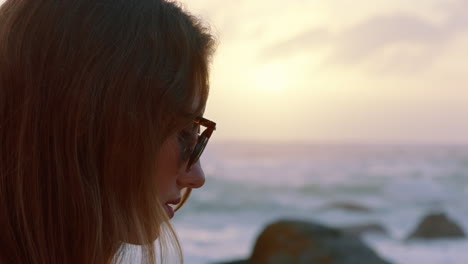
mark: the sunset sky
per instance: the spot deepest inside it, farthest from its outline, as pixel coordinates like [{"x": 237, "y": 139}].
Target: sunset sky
[
  {"x": 367, "y": 71},
  {"x": 376, "y": 71}
]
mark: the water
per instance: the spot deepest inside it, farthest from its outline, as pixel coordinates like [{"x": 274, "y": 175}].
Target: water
[{"x": 251, "y": 185}]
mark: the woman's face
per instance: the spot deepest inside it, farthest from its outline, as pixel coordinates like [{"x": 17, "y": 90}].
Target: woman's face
[
  {"x": 172, "y": 172},
  {"x": 173, "y": 175}
]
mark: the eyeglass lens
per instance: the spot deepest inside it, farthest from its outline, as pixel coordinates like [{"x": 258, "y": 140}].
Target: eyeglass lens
[{"x": 198, "y": 150}]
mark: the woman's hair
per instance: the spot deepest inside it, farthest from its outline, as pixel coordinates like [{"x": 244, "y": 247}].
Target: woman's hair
[{"x": 89, "y": 91}]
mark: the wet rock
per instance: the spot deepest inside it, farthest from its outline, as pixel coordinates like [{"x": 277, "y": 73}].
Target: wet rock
[
  {"x": 348, "y": 206},
  {"x": 437, "y": 225},
  {"x": 358, "y": 230},
  {"x": 307, "y": 242},
  {"x": 241, "y": 261}
]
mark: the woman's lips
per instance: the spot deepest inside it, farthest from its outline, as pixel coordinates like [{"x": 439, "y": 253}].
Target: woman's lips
[{"x": 169, "y": 210}]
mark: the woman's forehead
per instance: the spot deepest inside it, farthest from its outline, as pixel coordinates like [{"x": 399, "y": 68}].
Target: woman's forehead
[
  {"x": 197, "y": 108},
  {"x": 195, "y": 103}
]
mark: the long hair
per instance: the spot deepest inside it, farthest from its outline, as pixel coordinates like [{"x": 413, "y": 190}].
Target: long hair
[{"x": 89, "y": 91}]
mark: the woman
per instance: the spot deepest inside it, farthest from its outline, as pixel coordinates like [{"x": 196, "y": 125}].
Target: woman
[{"x": 100, "y": 109}]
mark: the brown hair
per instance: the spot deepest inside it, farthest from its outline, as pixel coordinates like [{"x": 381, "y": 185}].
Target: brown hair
[{"x": 89, "y": 91}]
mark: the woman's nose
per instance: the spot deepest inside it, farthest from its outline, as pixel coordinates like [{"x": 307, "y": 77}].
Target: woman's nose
[{"x": 193, "y": 178}]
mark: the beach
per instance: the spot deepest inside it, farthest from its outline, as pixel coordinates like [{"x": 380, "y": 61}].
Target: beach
[{"x": 249, "y": 185}]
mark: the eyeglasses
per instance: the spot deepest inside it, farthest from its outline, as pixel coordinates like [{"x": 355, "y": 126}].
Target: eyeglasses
[{"x": 202, "y": 139}]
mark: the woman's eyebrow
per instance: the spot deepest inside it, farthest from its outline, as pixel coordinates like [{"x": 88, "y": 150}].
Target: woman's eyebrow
[{"x": 193, "y": 115}]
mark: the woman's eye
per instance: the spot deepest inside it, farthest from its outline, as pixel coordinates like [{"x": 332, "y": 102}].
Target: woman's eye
[{"x": 187, "y": 139}]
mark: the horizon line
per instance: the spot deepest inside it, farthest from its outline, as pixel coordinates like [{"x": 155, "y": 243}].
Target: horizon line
[{"x": 339, "y": 142}]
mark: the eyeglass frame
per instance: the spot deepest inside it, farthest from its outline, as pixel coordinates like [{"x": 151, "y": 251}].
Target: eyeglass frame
[{"x": 202, "y": 139}]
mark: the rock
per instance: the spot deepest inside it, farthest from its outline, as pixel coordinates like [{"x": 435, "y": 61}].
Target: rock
[
  {"x": 348, "y": 206},
  {"x": 306, "y": 242},
  {"x": 241, "y": 261},
  {"x": 366, "y": 228},
  {"x": 435, "y": 226}
]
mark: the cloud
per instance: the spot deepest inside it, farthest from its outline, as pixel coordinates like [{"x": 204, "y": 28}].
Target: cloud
[
  {"x": 457, "y": 19},
  {"x": 373, "y": 36},
  {"x": 362, "y": 40},
  {"x": 312, "y": 38}
]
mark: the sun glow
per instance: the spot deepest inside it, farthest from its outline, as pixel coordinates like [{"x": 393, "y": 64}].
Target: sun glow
[
  {"x": 383, "y": 72},
  {"x": 270, "y": 77}
]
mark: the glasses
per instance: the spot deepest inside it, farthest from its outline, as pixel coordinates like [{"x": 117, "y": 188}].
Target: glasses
[{"x": 202, "y": 139}]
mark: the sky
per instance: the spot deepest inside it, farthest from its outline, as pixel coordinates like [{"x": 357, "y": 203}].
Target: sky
[
  {"x": 339, "y": 71},
  {"x": 351, "y": 71}
]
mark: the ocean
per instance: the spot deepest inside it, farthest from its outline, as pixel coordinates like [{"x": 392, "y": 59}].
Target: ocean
[{"x": 249, "y": 185}]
